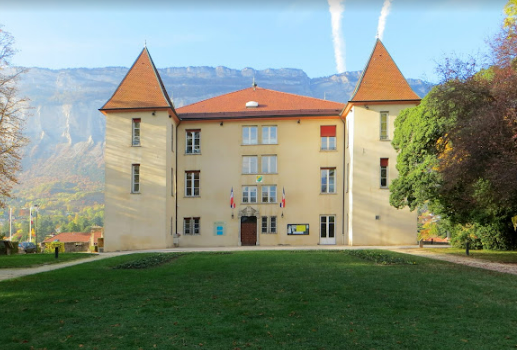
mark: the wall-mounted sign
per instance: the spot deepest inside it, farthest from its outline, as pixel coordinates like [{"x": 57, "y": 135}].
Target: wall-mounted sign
[
  {"x": 259, "y": 178},
  {"x": 297, "y": 229},
  {"x": 219, "y": 228}
]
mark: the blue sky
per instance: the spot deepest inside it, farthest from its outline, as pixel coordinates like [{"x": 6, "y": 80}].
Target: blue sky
[{"x": 237, "y": 34}]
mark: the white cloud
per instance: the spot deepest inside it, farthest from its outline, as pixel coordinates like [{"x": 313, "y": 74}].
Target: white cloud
[
  {"x": 382, "y": 18},
  {"x": 337, "y": 8}
]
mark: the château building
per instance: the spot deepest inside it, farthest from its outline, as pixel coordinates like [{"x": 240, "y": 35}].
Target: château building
[{"x": 255, "y": 166}]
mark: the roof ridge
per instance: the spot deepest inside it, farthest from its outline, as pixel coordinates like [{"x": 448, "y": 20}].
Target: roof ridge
[
  {"x": 364, "y": 70},
  {"x": 264, "y": 89},
  {"x": 384, "y": 79},
  {"x": 291, "y": 94},
  {"x": 141, "y": 87},
  {"x": 228, "y": 93},
  {"x": 158, "y": 76}
]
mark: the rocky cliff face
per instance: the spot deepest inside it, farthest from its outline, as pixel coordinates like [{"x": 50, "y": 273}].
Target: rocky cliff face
[{"x": 67, "y": 130}]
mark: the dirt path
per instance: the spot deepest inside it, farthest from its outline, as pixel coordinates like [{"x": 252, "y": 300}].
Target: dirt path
[{"x": 463, "y": 260}]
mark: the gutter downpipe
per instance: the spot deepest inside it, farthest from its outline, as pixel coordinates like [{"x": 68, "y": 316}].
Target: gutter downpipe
[
  {"x": 176, "y": 181},
  {"x": 344, "y": 179}
]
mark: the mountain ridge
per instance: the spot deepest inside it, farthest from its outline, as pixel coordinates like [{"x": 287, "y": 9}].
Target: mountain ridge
[{"x": 67, "y": 130}]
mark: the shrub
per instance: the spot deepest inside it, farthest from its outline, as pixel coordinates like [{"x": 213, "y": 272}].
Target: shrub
[
  {"x": 51, "y": 247},
  {"x": 148, "y": 261},
  {"x": 493, "y": 236}
]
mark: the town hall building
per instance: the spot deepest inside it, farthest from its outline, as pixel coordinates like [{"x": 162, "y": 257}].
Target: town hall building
[{"x": 254, "y": 166}]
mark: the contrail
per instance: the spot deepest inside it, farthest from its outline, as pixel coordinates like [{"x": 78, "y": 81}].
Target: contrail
[
  {"x": 336, "y": 8},
  {"x": 382, "y": 18}
]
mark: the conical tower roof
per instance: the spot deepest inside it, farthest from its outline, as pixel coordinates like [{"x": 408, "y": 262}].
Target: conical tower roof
[
  {"x": 141, "y": 88},
  {"x": 382, "y": 80}
]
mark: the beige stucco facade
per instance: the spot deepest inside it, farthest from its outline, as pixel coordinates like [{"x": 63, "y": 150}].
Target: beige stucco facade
[
  {"x": 220, "y": 163},
  {"x": 333, "y": 195},
  {"x": 371, "y": 220},
  {"x": 138, "y": 220}
]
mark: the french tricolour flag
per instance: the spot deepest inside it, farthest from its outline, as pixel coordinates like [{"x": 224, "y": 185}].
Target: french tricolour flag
[
  {"x": 232, "y": 201},
  {"x": 282, "y": 203}
]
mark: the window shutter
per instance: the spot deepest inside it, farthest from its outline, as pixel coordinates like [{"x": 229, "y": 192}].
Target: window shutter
[
  {"x": 328, "y": 131},
  {"x": 137, "y": 120},
  {"x": 384, "y": 162},
  {"x": 193, "y": 130}
]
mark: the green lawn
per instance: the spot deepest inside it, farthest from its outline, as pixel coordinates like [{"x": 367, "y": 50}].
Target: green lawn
[
  {"x": 490, "y": 255},
  {"x": 32, "y": 260},
  {"x": 261, "y": 300}
]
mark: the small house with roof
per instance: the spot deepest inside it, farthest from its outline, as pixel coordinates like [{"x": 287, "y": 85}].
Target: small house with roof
[
  {"x": 255, "y": 166},
  {"x": 76, "y": 241}
]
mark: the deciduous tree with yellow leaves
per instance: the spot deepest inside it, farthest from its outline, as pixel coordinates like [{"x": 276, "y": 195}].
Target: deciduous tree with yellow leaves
[{"x": 458, "y": 148}]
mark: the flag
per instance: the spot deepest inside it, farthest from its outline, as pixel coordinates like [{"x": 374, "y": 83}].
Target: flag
[
  {"x": 282, "y": 203},
  {"x": 232, "y": 202}
]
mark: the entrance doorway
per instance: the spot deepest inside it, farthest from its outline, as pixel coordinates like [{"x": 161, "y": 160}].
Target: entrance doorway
[
  {"x": 327, "y": 229},
  {"x": 248, "y": 230}
]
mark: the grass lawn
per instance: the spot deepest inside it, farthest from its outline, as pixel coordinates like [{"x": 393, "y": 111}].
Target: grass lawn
[
  {"x": 490, "y": 255},
  {"x": 32, "y": 260},
  {"x": 261, "y": 300}
]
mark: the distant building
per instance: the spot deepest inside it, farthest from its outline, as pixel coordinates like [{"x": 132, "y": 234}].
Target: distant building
[
  {"x": 76, "y": 241},
  {"x": 255, "y": 166}
]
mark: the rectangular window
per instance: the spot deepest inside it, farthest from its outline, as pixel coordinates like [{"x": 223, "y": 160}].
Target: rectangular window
[
  {"x": 192, "y": 183},
  {"x": 135, "y": 178},
  {"x": 193, "y": 142},
  {"x": 268, "y": 224},
  {"x": 249, "y": 164},
  {"x": 172, "y": 138},
  {"x": 249, "y": 194},
  {"x": 269, "y": 135},
  {"x": 328, "y": 180},
  {"x": 328, "y": 137},
  {"x": 136, "y": 131},
  {"x": 272, "y": 224},
  {"x": 264, "y": 224},
  {"x": 384, "y": 172},
  {"x": 249, "y": 135},
  {"x": 269, "y": 194},
  {"x": 384, "y": 125},
  {"x": 269, "y": 165},
  {"x": 191, "y": 226}
]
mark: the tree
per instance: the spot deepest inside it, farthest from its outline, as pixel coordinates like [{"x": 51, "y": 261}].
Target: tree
[
  {"x": 12, "y": 118},
  {"x": 510, "y": 9},
  {"x": 458, "y": 148}
]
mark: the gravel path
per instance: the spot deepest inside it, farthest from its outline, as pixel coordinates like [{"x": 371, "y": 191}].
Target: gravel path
[
  {"x": 463, "y": 260},
  {"x": 6, "y": 274}
]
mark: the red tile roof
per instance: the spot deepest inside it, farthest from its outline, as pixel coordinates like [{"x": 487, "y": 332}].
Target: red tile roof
[
  {"x": 270, "y": 103},
  {"x": 382, "y": 80},
  {"x": 142, "y": 87},
  {"x": 70, "y": 237}
]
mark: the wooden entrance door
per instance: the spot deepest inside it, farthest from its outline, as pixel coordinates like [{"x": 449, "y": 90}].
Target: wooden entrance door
[{"x": 248, "y": 230}]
